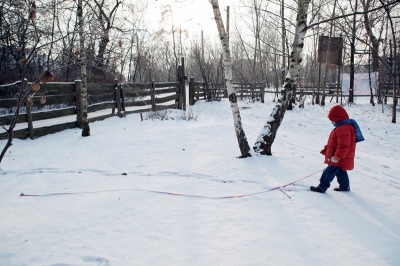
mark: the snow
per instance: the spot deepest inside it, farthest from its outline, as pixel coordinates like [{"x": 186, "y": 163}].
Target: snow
[{"x": 113, "y": 211}]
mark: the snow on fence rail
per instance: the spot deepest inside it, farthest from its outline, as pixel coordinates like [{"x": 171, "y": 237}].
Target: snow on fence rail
[{"x": 60, "y": 110}]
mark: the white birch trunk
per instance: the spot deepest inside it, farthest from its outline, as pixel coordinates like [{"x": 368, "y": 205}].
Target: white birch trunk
[
  {"x": 269, "y": 131},
  {"x": 82, "y": 61},
  {"x": 242, "y": 140}
]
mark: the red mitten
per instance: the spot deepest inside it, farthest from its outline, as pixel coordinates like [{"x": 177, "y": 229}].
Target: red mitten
[{"x": 322, "y": 151}]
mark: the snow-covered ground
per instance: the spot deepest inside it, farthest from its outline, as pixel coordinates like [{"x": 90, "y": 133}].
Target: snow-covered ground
[{"x": 101, "y": 203}]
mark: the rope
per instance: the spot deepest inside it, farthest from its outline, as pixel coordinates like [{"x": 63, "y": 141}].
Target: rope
[{"x": 168, "y": 193}]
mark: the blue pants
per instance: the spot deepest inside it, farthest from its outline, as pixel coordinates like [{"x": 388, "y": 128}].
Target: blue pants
[{"x": 329, "y": 174}]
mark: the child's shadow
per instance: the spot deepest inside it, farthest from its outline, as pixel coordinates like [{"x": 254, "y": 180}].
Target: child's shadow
[{"x": 371, "y": 228}]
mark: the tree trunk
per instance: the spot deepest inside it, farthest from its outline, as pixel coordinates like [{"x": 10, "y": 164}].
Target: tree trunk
[
  {"x": 373, "y": 39},
  {"x": 394, "y": 64},
  {"x": 269, "y": 131},
  {"x": 241, "y": 137},
  {"x": 23, "y": 95},
  {"x": 369, "y": 79},
  {"x": 352, "y": 52},
  {"x": 102, "y": 49},
  {"x": 82, "y": 59},
  {"x": 283, "y": 42}
]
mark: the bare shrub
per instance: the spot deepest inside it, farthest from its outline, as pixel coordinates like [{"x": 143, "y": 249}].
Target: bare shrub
[
  {"x": 193, "y": 115},
  {"x": 160, "y": 114}
]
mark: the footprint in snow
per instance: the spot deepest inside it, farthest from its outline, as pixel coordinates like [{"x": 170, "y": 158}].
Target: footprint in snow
[{"x": 96, "y": 260}]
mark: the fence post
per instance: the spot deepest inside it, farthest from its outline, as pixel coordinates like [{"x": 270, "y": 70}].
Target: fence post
[
  {"x": 78, "y": 97},
  {"x": 253, "y": 91},
  {"x": 191, "y": 91},
  {"x": 153, "y": 96},
  {"x": 183, "y": 84},
  {"x": 115, "y": 95},
  {"x": 122, "y": 97},
  {"x": 179, "y": 99},
  {"x": 241, "y": 90},
  {"x": 226, "y": 91},
  {"x": 204, "y": 91},
  {"x": 262, "y": 91},
  {"x": 28, "y": 111},
  {"x": 118, "y": 96}
]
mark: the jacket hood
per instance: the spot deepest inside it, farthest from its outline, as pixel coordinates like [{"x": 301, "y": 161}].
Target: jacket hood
[{"x": 337, "y": 114}]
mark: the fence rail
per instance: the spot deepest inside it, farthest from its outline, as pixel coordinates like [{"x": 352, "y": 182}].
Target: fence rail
[
  {"x": 62, "y": 102},
  {"x": 257, "y": 91},
  {"x": 198, "y": 90}
]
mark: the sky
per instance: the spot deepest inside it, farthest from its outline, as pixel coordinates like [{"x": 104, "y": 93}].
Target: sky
[
  {"x": 171, "y": 191},
  {"x": 196, "y": 15}
]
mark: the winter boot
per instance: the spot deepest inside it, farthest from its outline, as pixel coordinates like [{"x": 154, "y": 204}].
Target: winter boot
[
  {"x": 316, "y": 189},
  {"x": 339, "y": 189}
]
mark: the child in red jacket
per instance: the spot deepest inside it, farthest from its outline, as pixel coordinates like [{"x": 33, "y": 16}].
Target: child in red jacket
[{"x": 340, "y": 150}]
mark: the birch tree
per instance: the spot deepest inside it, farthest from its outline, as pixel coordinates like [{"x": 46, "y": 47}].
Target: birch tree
[
  {"x": 82, "y": 59},
  {"x": 268, "y": 133},
  {"x": 241, "y": 137}
]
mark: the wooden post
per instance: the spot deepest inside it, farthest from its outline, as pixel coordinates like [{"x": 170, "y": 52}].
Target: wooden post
[
  {"x": 191, "y": 91},
  {"x": 30, "y": 124},
  {"x": 183, "y": 84},
  {"x": 262, "y": 91},
  {"x": 252, "y": 90},
  {"x": 386, "y": 90},
  {"x": 205, "y": 93},
  {"x": 241, "y": 90},
  {"x": 226, "y": 92},
  {"x": 28, "y": 111},
  {"x": 118, "y": 96},
  {"x": 78, "y": 98},
  {"x": 115, "y": 94},
  {"x": 122, "y": 97},
  {"x": 153, "y": 96},
  {"x": 179, "y": 100}
]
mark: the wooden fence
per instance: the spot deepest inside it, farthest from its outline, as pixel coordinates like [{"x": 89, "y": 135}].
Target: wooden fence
[
  {"x": 62, "y": 101},
  {"x": 198, "y": 91},
  {"x": 385, "y": 90},
  {"x": 309, "y": 89}
]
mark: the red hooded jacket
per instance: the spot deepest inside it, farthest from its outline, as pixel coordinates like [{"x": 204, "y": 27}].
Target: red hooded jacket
[{"x": 342, "y": 140}]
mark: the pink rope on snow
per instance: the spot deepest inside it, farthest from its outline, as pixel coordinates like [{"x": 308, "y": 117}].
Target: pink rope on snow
[{"x": 168, "y": 193}]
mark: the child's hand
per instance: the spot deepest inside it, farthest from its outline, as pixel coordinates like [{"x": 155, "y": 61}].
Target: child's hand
[
  {"x": 322, "y": 151},
  {"x": 335, "y": 159}
]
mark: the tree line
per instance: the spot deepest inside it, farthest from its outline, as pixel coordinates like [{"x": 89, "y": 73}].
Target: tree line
[
  {"x": 104, "y": 40},
  {"x": 119, "y": 44}
]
